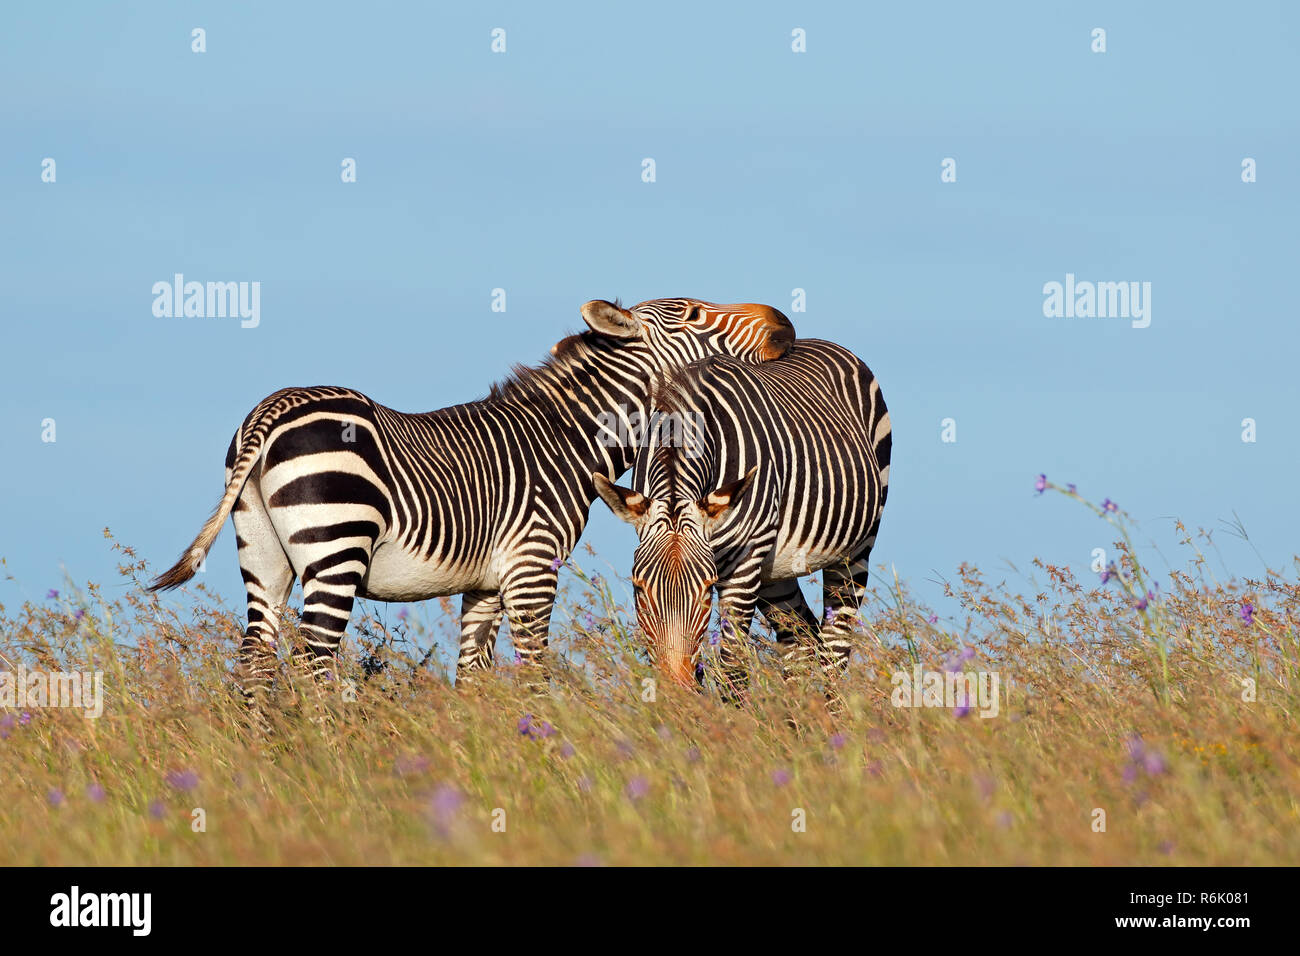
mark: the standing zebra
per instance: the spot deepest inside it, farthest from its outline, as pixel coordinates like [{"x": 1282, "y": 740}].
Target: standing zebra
[
  {"x": 484, "y": 499},
  {"x": 767, "y": 473}
]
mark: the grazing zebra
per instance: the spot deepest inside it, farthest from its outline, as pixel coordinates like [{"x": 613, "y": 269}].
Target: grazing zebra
[
  {"x": 767, "y": 472},
  {"x": 484, "y": 499}
]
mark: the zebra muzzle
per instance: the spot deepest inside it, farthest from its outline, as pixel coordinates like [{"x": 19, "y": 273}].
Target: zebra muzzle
[{"x": 677, "y": 665}]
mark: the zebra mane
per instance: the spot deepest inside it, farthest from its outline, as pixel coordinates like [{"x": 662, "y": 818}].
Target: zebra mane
[
  {"x": 674, "y": 388},
  {"x": 525, "y": 382}
]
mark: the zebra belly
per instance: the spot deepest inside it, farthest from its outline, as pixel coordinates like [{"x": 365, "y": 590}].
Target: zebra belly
[
  {"x": 791, "y": 560},
  {"x": 399, "y": 575}
]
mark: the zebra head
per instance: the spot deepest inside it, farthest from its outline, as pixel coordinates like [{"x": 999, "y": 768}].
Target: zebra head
[
  {"x": 673, "y": 570},
  {"x": 680, "y": 331}
]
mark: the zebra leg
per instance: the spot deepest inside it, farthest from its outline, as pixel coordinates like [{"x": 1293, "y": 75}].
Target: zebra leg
[
  {"x": 528, "y": 595},
  {"x": 268, "y": 580},
  {"x": 843, "y": 588},
  {"x": 480, "y": 619},
  {"x": 329, "y": 588},
  {"x": 736, "y": 617},
  {"x": 787, "y": 612}
]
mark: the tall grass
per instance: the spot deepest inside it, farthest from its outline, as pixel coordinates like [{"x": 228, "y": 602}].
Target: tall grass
[{"x": 1141, "y": 725}]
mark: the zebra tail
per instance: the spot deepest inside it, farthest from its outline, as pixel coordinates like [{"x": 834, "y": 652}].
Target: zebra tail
[{"x": 189, "y": 562}]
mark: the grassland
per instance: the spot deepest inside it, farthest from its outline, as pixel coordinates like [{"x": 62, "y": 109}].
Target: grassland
[{"x": 1171, "y": 710}]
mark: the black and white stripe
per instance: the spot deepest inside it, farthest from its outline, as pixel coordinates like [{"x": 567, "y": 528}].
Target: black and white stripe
[
  {"x": 482, "y": 499},
  {"x": 772, "y": 471}
]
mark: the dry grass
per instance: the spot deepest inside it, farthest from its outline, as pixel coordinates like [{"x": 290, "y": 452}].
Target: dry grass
[{"x": 1138, "y": 712}]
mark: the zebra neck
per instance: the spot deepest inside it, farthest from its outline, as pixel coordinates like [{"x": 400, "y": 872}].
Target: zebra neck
[{"x": 589, "y": 391}]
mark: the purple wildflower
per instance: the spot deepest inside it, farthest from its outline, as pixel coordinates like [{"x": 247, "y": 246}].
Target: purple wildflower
[
  {"x": 55, "y": 797},
  {"x": 24, "y": 719},
  {"x": 1070, "y": 488},
  {"x": 446, "y": 800},
  {"x": 6, "y": 726},
  {"x": 953, "y": 662},
  {"x": 1247, "y": 612},
  {"x": 406, "y": 766},
  {"x": 443, "y": 805},
  {"x": 157, "y": 810},
  {"x": 1041, "y": 484},
  {"x": 525, "y": 725},
  {"x": 713, "y": 638},
  {"x": 693, "y": 755},
  {"x": 837, "y": 741},
  {"x": 566, "y": 750},
  {"x": 95, "y": 792},
  {"x": 1110, "y": 506},
  {"x": 557, "y": 564},
  {"x": 637, "y": 788},
  {"x": 401, "y": 615},
  {"x": 183, "y": 780},
  {"x": 664, "y": 731},
  {"x": 546, "y": 730},
  {"x": 81, "y": 612},
  {"x": 963, "y": 707},
  {"x": 933, "y": 619},
  {"x": 1141, "y": 759},
  {"x": 781, "y": 777},
  {"x": 51, "y": 595}
]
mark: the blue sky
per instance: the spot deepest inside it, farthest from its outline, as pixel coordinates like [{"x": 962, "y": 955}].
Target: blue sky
[{"x": 775, "y": 171}]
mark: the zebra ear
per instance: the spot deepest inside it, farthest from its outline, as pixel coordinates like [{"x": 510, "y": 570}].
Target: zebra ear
[
  {"x": 631, "y": 506},
  {"x": 716, "y": 503},
  {"x": 608, "y": 318}
]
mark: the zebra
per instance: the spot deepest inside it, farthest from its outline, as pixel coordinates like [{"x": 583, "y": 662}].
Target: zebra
[
  {"x": 768, "y": 472},
  {"x": 485, "y": 499}
]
